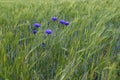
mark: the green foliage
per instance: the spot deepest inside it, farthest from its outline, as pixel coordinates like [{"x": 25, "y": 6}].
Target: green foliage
[{"x": 88, "y": 49}]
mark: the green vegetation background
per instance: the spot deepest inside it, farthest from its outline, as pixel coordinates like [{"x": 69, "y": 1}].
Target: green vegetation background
[{"x": 88, "y": 49}]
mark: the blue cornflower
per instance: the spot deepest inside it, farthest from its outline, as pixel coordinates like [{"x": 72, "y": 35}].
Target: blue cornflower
[
  {"x": 37, "y": 25},
  {"x": 54, "y": 18},
  {"x": 43, "y": 44},
  {"x": 34, "y": 31},
  {"x": 66, "y": 23},
  {"x": 62, "y": 21},
  {"x": 48, "y": 31}
]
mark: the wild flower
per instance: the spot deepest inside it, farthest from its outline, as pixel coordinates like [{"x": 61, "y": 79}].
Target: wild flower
[
  {"x": 34, "y": 31},
  {"x": 37, "y": 25},
  {"x": 66, "y": 23},
  {"x": 62, "y": 21},
  {"x": 48, "y": 31},
  {"x": 43, "y": 44},
  {"x": 54, "y": 18}
]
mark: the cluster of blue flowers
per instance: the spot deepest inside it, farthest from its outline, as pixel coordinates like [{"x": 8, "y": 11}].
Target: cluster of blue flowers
[
  {"x": 61, "y": 21},
  {"x": 49, "y": 31},
  {"x": 37, "y": 25}
]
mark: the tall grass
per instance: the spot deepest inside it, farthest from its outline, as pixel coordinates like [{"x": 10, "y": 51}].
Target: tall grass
[{"x": 87, "y": 49}]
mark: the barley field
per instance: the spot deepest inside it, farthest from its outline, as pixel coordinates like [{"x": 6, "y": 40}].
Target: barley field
[{"x": 59, "y": 39}]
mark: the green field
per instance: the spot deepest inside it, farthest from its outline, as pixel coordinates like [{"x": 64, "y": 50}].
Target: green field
[{"x": 87, "y": 49}]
